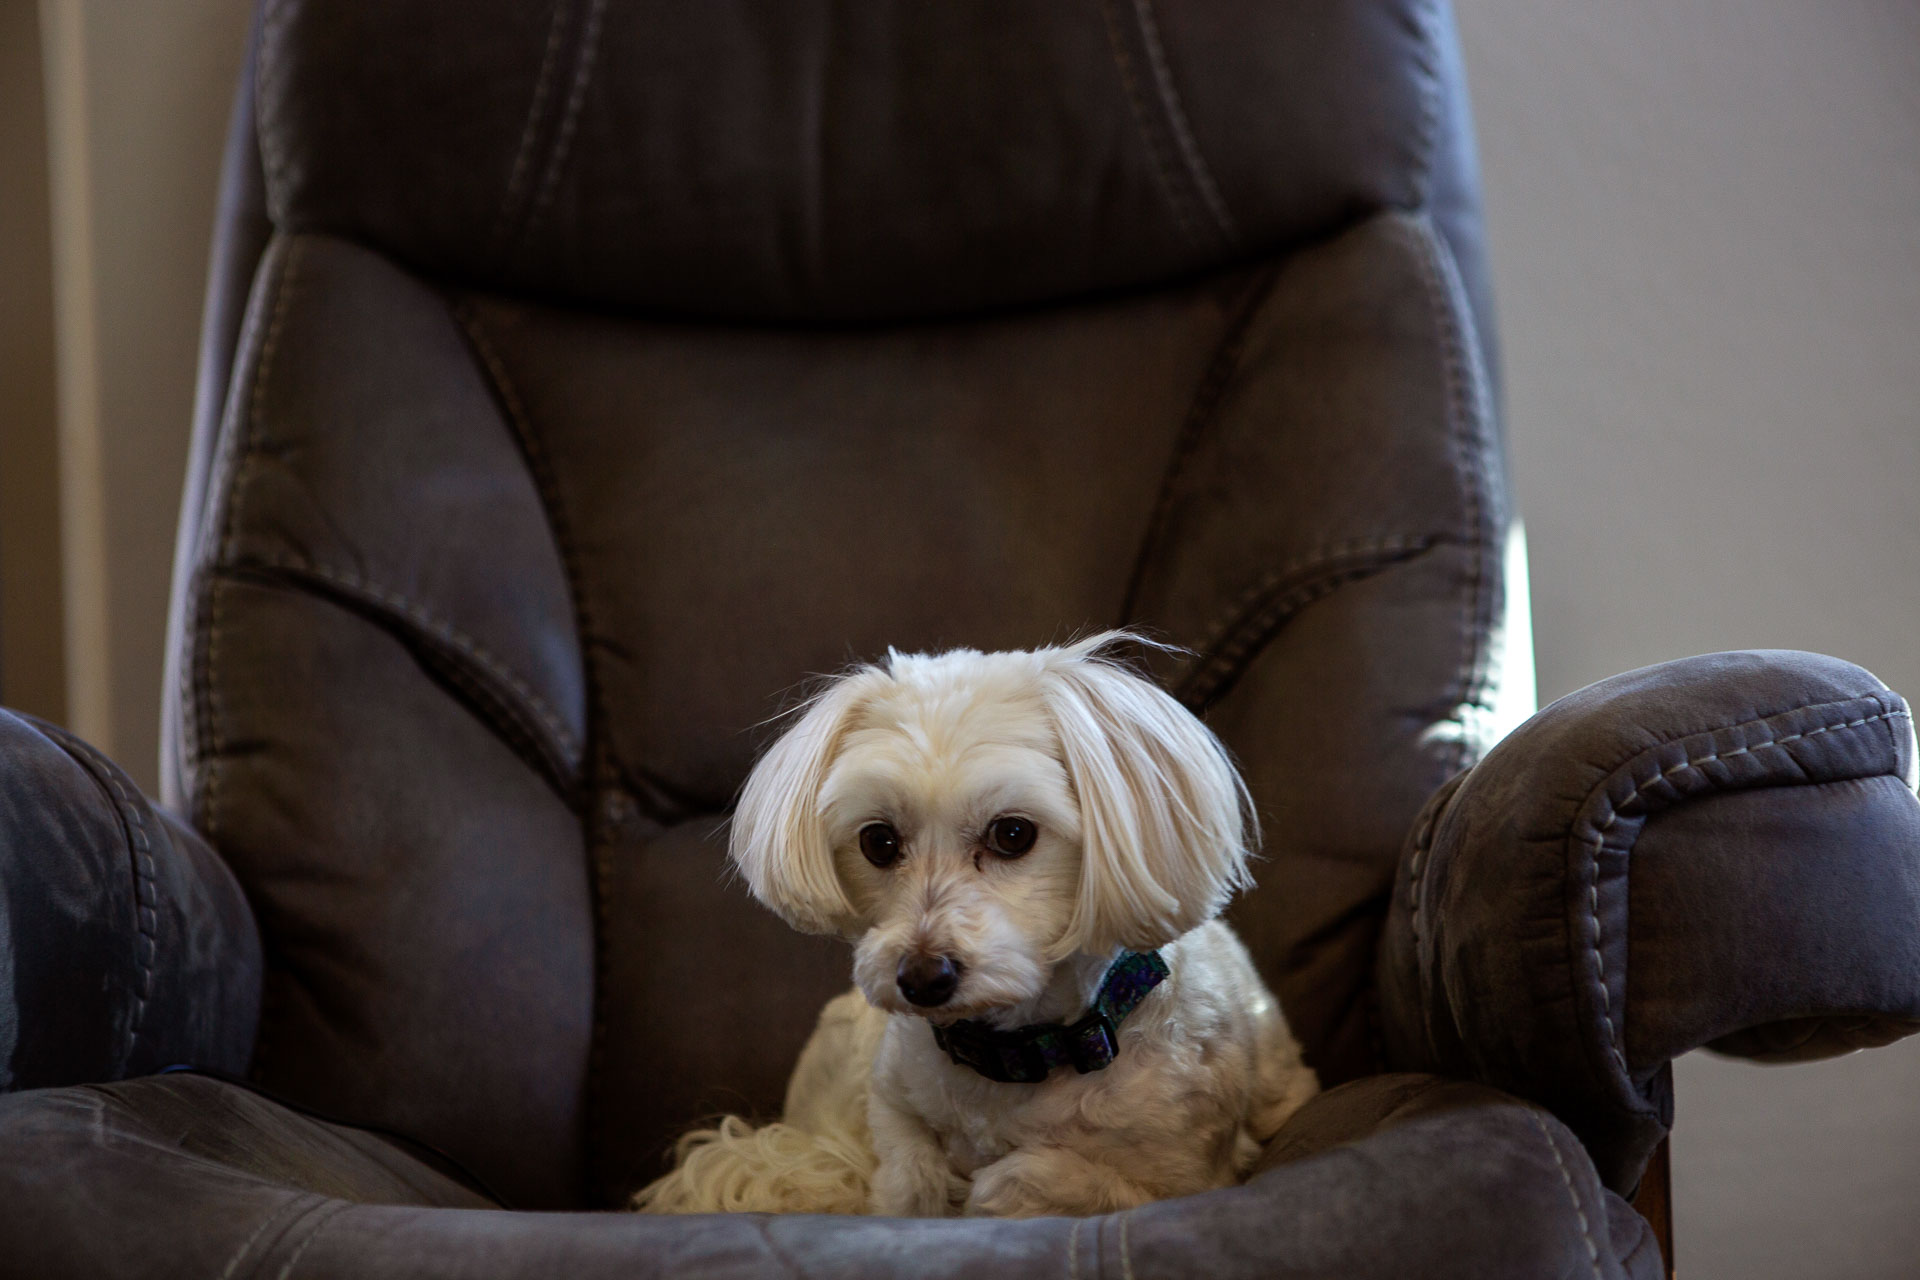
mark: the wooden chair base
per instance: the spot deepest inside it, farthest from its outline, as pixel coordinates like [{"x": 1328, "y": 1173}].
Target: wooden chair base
[{"x": 1654, "y": 1201}]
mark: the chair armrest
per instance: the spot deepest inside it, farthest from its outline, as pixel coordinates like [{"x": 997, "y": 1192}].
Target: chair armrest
[
  {"x": 1720, "y": 851},
  {"x": 126, "y": 944}
]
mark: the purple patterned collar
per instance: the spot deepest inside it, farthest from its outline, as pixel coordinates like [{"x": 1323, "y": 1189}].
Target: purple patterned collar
[{"x": 1028, "y": 1055}]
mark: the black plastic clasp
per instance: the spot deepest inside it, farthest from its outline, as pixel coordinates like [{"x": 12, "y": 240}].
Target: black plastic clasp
[{"x": 1092, "y": 1043}]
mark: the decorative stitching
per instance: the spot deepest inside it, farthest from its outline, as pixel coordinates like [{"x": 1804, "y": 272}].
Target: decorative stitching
[
  {"x": 1616, "y": 1046},
  {"x": 1466, "y": 412},
  {"x": 1423, "y": 841},
  {"x": 241, "y": 436},
  {"x": 146, "y": 891},
  {"x": 523, "y": 154},
  {"x": 211, "y": 762},
  {"x": 292, "y": 1208},
  {"x": 1428, "y": 131},
  {"x": 273, "y": 155},
  {"x": 244, "y": 436},
  {"x": 1178, "y": 125},
  {"x": 1162, "y": 170},
  {"x": 257, "y": 394},
  {"x": 1318, "y": 556},
  {"x": 193, "y": 674},
  {"x": 1126, "y": 1251},
  {"x": 563, "y": 141},
  {"x": 599, "y": 767},
  {"x": 1073, "y": 1250},
  {"x": 313, "y": 1233},
  {"x": 441, "y": 628},
  {"x": 1246, "y": 623},
  {"x": 1573, "y": 1196},
  {"x": 1221, "y": 370}
]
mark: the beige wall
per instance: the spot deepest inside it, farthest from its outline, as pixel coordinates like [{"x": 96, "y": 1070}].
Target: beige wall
[
  {"x": 32, "y": 668},
  {"x": 137, "y": 98},
  {"x": 1705, "y": 226}
]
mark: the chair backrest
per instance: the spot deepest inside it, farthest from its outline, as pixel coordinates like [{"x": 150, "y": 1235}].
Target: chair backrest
[{"x": 608, "y": 368}]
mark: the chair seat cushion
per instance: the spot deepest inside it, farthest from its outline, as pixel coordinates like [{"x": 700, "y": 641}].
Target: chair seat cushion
[{"x": 187, "y": 1175}]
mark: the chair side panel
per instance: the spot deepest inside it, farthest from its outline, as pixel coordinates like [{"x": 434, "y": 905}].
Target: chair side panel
[{"x": 386, "y": 725}]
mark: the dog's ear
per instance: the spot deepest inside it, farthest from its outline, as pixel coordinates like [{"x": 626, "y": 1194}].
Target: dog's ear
[
  {"x": 1165, "y": 818},
  {"x": 779, "y": 840}
]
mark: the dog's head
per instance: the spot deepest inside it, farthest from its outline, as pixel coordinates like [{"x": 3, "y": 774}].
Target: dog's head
[{"x": 968, "y": 820}]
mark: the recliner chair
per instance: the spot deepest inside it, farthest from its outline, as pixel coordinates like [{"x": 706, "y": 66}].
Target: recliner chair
[{"x": 579, "y": 377}]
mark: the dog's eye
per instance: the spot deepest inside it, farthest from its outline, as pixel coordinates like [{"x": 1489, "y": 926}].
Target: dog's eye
[
  {"x": 1011, "y": 837},
  {"x": 880, "y": 844}
]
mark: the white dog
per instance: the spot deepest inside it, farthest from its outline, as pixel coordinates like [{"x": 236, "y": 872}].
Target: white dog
[{"x": 1027, "y": 851}]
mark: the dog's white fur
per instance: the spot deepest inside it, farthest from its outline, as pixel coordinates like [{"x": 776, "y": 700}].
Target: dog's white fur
[{"x": 1143, "y": 834}]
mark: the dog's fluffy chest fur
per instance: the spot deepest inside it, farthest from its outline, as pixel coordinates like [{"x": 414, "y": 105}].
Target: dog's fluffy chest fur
[{"x": 1206, "y": 1070}]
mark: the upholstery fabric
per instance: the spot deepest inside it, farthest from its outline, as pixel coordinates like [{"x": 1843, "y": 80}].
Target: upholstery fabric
[
  {"x": 799, "y": 160},
  {"x": 1656, "y": 863},
  {"x": 125, "y": 943},
  {"x": 1390, "y": 1176}
]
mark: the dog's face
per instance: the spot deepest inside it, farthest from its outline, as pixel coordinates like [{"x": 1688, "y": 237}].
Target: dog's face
[
  {"x": 956, "y": 834},
  {"x": 969, "y": 820}
]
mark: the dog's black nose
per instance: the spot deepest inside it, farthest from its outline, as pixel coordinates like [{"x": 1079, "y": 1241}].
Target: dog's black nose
[{"x": 927, "y": 980}]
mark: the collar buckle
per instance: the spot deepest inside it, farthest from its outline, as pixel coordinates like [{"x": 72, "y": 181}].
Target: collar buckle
[{"x": 1092, "y": 1043}]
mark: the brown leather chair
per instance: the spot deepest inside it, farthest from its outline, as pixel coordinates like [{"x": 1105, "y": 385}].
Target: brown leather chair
[{"x": 581, "y": 376}]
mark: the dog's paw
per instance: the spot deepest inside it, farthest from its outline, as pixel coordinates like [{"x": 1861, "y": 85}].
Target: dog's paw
[
  {"x": 1029, "y": 1185},
  {"x": 1050, "y": 1180},
  {"x": 910, "y": 1187},
  {"x": 1009, "y": 1188}
]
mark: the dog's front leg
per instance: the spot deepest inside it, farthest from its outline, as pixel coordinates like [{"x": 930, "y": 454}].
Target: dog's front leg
[
  {"x": 913, "y": 1179},
  {"x": 1036, "y": 1182}
]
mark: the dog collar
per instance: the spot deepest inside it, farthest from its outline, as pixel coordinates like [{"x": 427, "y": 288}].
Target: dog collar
[{"x": 1028, "y": 1055}]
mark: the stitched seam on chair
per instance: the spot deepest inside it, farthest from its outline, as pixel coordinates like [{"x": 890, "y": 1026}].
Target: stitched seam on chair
[
  {"x": 1242, "y": 629},
  {"x": 1462, "y": 420},
  {"x": 504, "y": 711},
  {"x": 596, "y": 767},
  {"x": 1073, "y": 1250},
  {"x": 213, "y": 765},
  {"x": 1463, "y": 416},
  {"x": 324, "y": 1220},
  {"x": 1616, "y": 1046},
  {"x": 266, "y": 71},
  {"x": 1126, "y": 1251},
  {"x": 293, "y": 1208},
  {"x": 545, "y": 484},
  {"x": 215, "y": 746},
  {"x": 1573, "y": 1196},
  {"x": 193, "y": 675},
  {"x": 1162, "y": 168},
  {"x": 523, "y": 154},
  {"x": 563, "y": 141},
  {"x": 1225, "y": 665},
  {"x": 146, "y": 891},
  {"x": 1428, "y": 131},
  {"x": 1179, "y": 126},
  {"x": 1222, "y": 368},
  {"x": 440, "y": 627},
  {"x": 238, "y": 473}
]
